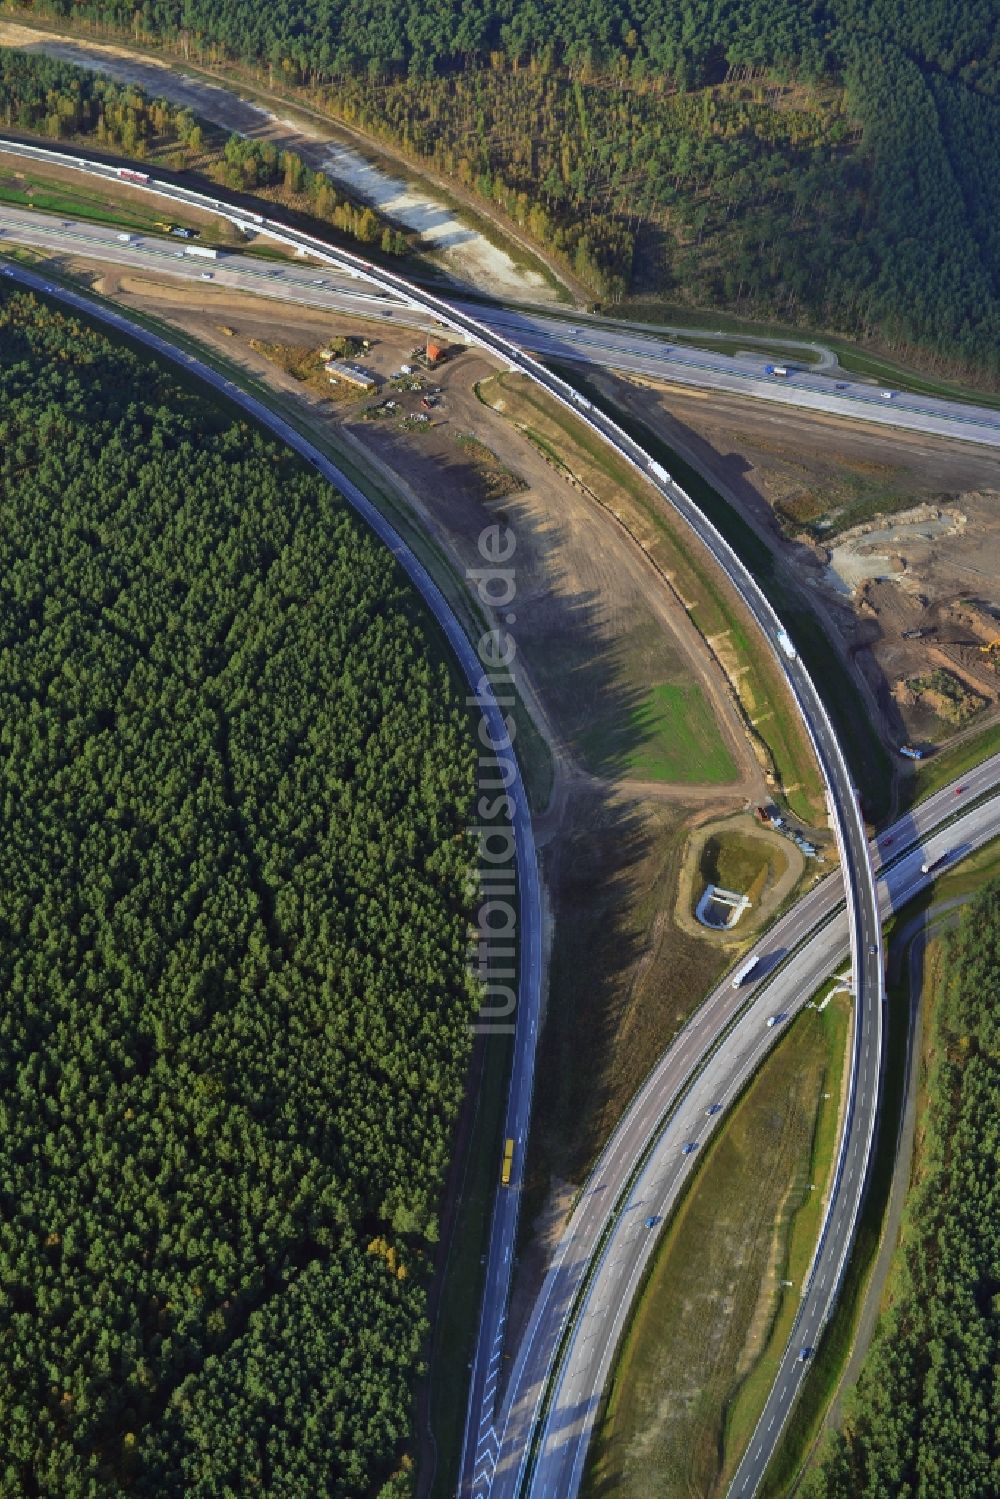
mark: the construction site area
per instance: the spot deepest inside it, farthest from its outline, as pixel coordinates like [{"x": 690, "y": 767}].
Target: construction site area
[{"x": 894, "y": 536}]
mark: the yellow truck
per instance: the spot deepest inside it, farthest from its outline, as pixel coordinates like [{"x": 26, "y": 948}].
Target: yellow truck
[{"x": 508, "y": 1162}]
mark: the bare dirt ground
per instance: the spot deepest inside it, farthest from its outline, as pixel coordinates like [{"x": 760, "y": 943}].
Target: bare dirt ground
[{"x": 895, "y": 536}]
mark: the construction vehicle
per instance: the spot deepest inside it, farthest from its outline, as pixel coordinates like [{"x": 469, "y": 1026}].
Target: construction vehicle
[
  {"x": 508, "y": 1163},
  {"x": 990, "y": 646}
]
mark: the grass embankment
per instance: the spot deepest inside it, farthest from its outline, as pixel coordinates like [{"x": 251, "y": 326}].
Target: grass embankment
[
  {"x": 969, "y": 876},
  {"x": 710, "y": 603},
  {"x": 851, "y": 357},
  {"x": 115, "y": 208},
  {"x": 870, "y": 764},
  {"x": 675, "y": 738},
  {"x": 900, "y": 377},
  {"x": 713, "y": 1320},
  {"x": 783, "y": 353}
]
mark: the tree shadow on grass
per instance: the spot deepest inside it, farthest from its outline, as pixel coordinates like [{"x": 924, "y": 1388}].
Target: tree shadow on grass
[
  {"x": 562, "y": 632},
  {"x": 598, "y": 943}
]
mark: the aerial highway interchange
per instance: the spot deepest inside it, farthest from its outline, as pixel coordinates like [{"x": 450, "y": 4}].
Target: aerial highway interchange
[
  {"x": 569, "y": 339},
  {"x": 507, "y": 1449},
  {"x": 480, "y": 1448}
]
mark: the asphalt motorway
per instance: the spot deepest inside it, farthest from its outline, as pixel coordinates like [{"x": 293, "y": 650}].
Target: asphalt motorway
[
  {"x": 481, "y": 1450},
  {"x": 634, "y": 352},
  {"x": 555, "y": 336},
  {"x": 496, "y": 745},
  {"x": 283, "y": 281},
  {"x": 550, "y": 1403}
]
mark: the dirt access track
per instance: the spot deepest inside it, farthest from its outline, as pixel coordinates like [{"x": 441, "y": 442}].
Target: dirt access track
[{"x": 373, "y": 173}]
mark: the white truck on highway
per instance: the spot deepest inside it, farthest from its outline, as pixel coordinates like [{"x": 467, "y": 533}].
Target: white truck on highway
[
  {"x": 785, "y": 642},
  {"x": 126, "y": 239},
  {"x": 930, "y": 864},
  {"x": 203, "y": 252},
  {"x": 743, "y": 973}
]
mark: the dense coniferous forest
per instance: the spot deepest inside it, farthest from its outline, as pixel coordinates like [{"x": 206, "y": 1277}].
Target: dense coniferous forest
[
  {"x": 923, "y": 1418},
  {"x": 826, "y": 161},
  {"x": 233, "y": 948}
]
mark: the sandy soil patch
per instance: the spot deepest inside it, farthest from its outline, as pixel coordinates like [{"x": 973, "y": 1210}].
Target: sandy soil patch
[{"x": 884, "y": 551}]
